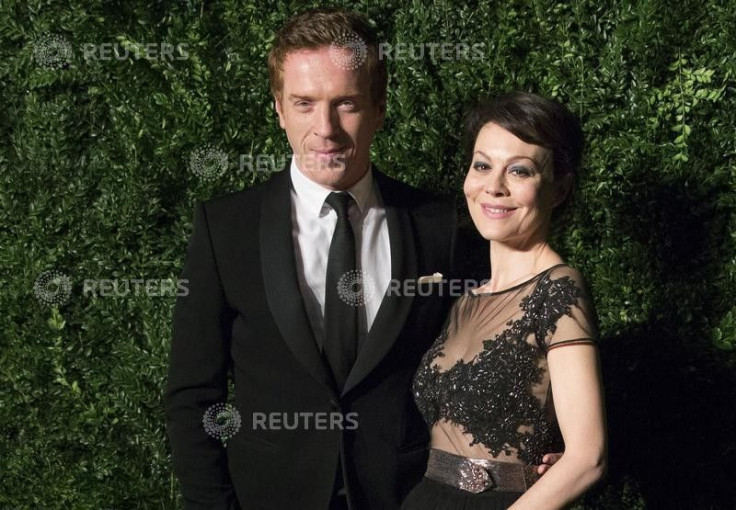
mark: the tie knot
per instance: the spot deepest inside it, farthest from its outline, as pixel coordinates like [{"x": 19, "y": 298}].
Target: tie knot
[{"x": 339, "y": 201}]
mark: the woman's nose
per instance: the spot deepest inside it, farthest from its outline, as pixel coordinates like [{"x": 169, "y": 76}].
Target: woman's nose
[{"x": 496, "y": 184}]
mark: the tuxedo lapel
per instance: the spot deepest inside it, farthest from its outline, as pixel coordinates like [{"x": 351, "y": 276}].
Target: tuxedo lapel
[
  {"x": 281, "y": 281},
  {"x": 394, "y": 307}
]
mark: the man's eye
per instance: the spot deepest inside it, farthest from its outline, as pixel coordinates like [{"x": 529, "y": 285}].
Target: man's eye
[{"x": 481, "y": 166}]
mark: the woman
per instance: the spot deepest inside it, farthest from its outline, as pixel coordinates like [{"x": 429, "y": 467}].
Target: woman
[{"x": 516, "y": 368}]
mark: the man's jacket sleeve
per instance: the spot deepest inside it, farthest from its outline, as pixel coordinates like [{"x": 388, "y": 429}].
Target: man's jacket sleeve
[{"x": 198, "y": 368}]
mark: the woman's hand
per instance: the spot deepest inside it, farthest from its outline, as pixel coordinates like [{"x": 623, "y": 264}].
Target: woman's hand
[
  {"x": 548, "y": 461},
  {"x": 578, "y": 396}
]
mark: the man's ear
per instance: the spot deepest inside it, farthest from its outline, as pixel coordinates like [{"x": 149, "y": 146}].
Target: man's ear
[
  {"x": 562, "y": 189},
  {"x": 279, "y": 110}
]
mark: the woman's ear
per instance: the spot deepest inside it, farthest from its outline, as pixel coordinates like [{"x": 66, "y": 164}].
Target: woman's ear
[{"x": 563, "y": 185}]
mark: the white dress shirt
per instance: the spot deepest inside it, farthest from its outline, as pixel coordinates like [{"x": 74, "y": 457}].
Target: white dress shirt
[{"x": 313, "y": 223}]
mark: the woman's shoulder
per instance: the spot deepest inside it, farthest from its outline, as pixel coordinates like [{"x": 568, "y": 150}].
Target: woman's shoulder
[
  {"x": 563, "y": 270},
  {"x": 562, "y": 278}
]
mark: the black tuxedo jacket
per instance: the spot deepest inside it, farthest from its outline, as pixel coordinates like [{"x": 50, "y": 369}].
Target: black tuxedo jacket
[{"x": 244, "y": 315}]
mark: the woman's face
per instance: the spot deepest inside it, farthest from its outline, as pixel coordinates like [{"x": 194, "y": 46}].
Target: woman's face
[{"x": 510, "y": 188}]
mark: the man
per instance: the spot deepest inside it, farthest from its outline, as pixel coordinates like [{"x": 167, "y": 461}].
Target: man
[{"x": 322, "y": 371}]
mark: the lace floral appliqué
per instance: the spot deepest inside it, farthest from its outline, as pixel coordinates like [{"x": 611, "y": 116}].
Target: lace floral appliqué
[{"x": 490, "y": 395}]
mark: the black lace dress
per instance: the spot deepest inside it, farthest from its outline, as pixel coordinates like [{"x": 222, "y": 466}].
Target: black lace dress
[{"x": 484, "y": 388}]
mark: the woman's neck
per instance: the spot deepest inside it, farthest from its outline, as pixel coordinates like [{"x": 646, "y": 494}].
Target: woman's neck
[{"x": 511, "y": 265}]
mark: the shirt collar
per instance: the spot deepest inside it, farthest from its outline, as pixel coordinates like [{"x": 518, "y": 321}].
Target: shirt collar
[{"x": 313, "y": 195}]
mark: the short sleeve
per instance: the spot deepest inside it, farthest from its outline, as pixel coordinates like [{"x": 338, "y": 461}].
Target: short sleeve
[{"x": 575, "y": 315}]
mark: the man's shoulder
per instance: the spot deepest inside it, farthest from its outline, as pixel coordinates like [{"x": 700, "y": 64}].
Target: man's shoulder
[
  {"x": 417, "y": 200},
  {"x": 241, "y": 201}
]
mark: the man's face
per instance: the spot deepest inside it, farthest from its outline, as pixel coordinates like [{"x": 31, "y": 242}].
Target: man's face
[{"x": 328, "y": 116}]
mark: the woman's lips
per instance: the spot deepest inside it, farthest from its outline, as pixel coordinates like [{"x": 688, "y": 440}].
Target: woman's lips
[{"x": 496, "y": 212}]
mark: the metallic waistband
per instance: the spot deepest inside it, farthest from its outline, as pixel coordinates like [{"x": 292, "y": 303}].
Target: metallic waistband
[{"x": 479, "y": 475}]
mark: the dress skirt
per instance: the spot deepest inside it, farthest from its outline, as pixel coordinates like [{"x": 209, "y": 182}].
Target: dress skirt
[{"x": 433, "y": 495}]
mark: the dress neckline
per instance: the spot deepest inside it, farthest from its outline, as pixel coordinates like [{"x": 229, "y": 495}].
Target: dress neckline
[{"x": 514, "y": 287}]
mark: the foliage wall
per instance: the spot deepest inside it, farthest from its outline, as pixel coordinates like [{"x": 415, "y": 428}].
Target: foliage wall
[{"x": 108, "y": 137}]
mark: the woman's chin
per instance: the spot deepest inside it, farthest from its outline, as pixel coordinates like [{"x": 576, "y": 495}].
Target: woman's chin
[{"x": 492, "y": 234}]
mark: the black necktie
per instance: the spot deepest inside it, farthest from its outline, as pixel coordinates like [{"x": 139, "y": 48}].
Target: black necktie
[{"x": 341, "y": 314}]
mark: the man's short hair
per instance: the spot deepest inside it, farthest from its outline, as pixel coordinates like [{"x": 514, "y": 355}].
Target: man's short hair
[{"x": 328, "y": 27}]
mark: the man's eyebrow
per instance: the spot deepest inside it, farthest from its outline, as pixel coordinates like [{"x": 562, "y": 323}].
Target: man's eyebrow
[
  {"x": 292, "y": 97},
  {"x": 354, "y": 97}
]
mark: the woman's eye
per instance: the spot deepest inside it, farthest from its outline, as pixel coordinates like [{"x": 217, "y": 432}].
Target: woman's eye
[
  {"x": 520, "y": 170},
  {"x": 481, "y": 166}
]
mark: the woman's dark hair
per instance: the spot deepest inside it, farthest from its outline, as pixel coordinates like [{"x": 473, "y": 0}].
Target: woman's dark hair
[{"x": 536, "y": 120}]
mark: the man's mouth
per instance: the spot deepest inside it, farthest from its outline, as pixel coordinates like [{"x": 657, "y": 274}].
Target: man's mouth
[{"x": 328, "y": 153}]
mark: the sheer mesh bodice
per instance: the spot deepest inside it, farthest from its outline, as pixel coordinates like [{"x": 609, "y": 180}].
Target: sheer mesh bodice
[{"x": 483, "y": 387}]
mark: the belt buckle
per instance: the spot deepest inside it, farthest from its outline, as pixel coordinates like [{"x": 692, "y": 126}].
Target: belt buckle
[{"x": 474, "y": 478}]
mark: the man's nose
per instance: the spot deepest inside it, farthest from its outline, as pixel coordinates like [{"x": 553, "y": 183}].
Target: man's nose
[{"x": 327, "y": 123}]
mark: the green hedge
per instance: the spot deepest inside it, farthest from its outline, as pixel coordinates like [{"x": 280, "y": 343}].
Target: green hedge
[{"x": 97, "y": 182}]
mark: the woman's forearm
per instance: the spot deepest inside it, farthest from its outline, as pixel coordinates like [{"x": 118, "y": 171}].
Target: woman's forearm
[{"x": 567, "y": 480}]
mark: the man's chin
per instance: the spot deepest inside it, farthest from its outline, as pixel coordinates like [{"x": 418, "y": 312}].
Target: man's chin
[
  {"x": 333, "y": 178},
  {"x": 335, "y": 164},
  {"x": 333, "y": 173},
  {"x": 315, "y": 162}
]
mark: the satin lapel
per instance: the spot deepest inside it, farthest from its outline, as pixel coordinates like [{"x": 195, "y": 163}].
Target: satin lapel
[
  {"x": 394, "y": 308},
  {"x": 280, "y": 278}
]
